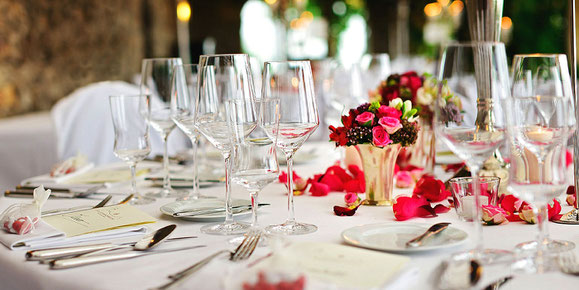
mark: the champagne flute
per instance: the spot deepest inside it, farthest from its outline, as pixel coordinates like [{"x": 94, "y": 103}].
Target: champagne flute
[
  {"x": 469, "y": 117},
  {"x": 224, "y": 77},
  {"x": 539, "y": 127},
  {"x": 156, "y": 81},
  {"x": 183, "y": 100},
  {"x": 130, "y": 120},
  {"x": 292, "y": 121}
]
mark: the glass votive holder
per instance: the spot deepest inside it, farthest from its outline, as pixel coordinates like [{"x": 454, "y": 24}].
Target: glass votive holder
[{"x": 463, "y": 195}]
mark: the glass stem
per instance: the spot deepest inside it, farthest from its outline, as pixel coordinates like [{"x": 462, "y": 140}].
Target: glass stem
[
  {"x": 542, "y": 214},
  {"x": 166, "y": 181},
  {"x": 543, "y": 233},
  {"x": 254, "y": 205},
  {"x": 290, "y": 187},
  {"x": 133, "y": 167},
  {"x": 195, "y": 193},
  {"x": 228, "y": 210},
  {"x": 477, "y": 209}
]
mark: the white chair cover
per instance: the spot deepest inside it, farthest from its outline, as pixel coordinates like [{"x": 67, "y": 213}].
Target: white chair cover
[{"x": 83, "y": 124}]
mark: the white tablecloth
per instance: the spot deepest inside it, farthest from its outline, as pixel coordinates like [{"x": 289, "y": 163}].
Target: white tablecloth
[{"x": 151, "y": 271}]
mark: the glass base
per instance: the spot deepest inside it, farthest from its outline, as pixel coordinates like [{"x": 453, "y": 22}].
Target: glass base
[
  {"x": 291, "y": 228},
  {"x": 141, "y": 200},
  {"x": 168, "y": 193},
  {"x": 486, "y": 256},
  {"x": 263, "y": 241},
  {"x": 226, "y": 229},
  {"x": 535, "y": 265},
  {"x": 551, "y": 247}
]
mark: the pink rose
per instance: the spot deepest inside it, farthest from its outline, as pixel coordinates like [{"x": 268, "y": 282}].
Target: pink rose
[
  {"x": 387, "y": 111},
  {"x": 526, "y": 213},
  {"x": 404, "y": 179},
  {"x": 351, "y": 198},
  {"x": 390, "y": 124},
  {"x": 379, "y": 137},
  {"x": 365, "y": 119},
  {"x": 494, "y": 215}
]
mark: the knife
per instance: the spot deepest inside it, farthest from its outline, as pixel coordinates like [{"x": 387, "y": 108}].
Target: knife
[
  {"x": 498, "y": 283},
  {"x": 433, "y": 230},
  {"x": 82, "y": 261},
  {"x": 196, "y": 212}
]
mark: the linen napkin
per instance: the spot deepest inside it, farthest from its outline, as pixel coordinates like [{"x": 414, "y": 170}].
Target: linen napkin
[
  {"x": 47, "y": 236},
  {"x": 47, "y": 179}
]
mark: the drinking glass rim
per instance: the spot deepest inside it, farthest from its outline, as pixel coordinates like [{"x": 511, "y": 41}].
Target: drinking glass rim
[
  {"x": 223, "y": 54},
  {"x": 129, "y": 96},
  {"x": 468, "y": 179},
  {"x": 473, "y": 44},
  {"x": 161, "y": 59},
  {"x": 287, "y": 62}
]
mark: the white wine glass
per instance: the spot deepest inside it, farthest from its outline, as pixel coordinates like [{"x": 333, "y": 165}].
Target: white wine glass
[
  {"x": 293, "y": 120},
  {"x": 469, "y": 116},
  {"x": 156, "y": 81},
  {"x": 183, "y": 101},
  {"x": 223, "y": 78},
  {"x": 130, "y": 120},
  {"x": 539, "y": 127}
]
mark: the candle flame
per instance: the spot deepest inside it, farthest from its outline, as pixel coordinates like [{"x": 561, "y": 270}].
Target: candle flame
[{"x": 183, "y": 11}]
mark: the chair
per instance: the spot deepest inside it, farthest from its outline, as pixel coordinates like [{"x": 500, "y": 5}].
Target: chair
[{"x": 83, "y": 124}]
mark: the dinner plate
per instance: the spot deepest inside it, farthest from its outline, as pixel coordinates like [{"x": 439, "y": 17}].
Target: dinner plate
[
  {"x": 200, "y": 204},
  {"x": 392, "y": 237}
]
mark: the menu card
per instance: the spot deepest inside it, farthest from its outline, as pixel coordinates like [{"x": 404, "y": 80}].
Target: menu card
[
  {"x": 343, "y": 266},
  {"x": 98, "y": 219}
]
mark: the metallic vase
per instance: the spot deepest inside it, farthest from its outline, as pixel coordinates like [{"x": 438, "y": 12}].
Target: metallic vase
[{"x": 378, "y": 164}]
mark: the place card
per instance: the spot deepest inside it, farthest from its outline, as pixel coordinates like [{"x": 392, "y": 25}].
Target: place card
[
  {"x": 343, "y": 266},
  {"x": 98, "y": 219}
]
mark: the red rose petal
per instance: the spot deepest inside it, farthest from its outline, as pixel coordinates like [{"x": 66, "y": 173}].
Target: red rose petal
[
  {"x": 345, "y": 211},
  {"x": 319, "y": 189}
]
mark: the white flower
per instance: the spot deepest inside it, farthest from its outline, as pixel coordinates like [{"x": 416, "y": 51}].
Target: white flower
[
  {"x": 396, "y": 103},
  {"x": 424, "y": 97}
]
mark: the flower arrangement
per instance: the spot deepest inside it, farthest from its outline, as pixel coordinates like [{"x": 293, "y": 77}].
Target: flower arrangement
[
  {"x": 379, "y": 125},
  {"x": 421, "y": 91}
]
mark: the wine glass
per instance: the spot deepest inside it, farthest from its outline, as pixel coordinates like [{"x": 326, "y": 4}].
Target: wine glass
[
  {"x": 156, "y": 81},
  {"x": 183, "y": 100},
  {"x": 224, "y": 77},
  {"x": 469, "y": 117},
  {"x": 539, "y": 128},
  {"x": 292, "y": 121},
  {"x": 375, "y": 69},
  {"x": 130, "y": 120},
  {"x": 255, "y": 160}
]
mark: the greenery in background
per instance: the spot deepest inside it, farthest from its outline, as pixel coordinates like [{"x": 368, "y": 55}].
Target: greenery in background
[{"x": 339, "y": 19}]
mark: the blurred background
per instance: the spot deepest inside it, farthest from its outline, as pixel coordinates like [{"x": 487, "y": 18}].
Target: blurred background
[{"x": 50, "y": 48}]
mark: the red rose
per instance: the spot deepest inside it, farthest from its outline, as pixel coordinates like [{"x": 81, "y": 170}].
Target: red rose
[
  {"x": 332, "y": 181},
  {"x": 390, "y": 93},
  {"x": 387, "y": 111},
  {"x": 431, "y": 189},
  {"x": 554, "y": 210}
]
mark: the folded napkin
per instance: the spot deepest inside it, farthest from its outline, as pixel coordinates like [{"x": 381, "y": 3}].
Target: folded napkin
[
  {"x": 47, "y": 179},
  {"x": 47, "y": 236}
]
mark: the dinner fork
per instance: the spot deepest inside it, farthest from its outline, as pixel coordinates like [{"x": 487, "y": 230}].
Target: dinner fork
[{"x": 242, "y": 252}]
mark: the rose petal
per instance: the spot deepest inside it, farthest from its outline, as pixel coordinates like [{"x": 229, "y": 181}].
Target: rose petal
[
  {"x": 319, "y": 189},
  {"x": 345, "y": 211}
]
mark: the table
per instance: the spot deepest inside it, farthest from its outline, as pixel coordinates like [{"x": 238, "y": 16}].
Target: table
[{"x": 151, "y": 271}]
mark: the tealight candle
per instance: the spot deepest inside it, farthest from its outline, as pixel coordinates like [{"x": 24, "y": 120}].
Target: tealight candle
[{"x": 539, "y": 134}]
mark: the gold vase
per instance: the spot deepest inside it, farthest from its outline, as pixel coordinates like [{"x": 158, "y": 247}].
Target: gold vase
[
  {"x": 378, "y": 164},
  {"x": 422, "y": 153}
]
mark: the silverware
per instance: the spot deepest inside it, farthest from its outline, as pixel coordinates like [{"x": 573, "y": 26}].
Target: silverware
[
  {"x": 59, "y": 193},
  {"x": 203, "y": 211},
  {"x": 242, "y": 252},
  {"x": 77, "y": 208},
  {"x": 462, "y": 274},
  {"x": 56, "y": 253},
  {"x": 83, "y": 261},
  {"x": 498, "y": 283},
  {"x": 433, "y": 230},
  {"x": 127, "y": 199}
]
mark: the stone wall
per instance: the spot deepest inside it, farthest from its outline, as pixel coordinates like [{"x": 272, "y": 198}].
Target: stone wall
[{"x": 48, "y": 48}]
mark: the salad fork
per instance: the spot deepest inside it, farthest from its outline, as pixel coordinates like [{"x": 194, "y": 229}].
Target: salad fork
[{"x": 242, "y": 252}]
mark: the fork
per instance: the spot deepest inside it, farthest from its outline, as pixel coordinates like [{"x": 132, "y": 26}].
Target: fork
[
  {"x": 78, "y": 208},
  {"x": 568, "y": 264},
  {"x": 242, "y": 252}
]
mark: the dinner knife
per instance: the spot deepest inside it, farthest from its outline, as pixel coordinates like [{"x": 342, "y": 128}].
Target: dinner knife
[
  {"x": 82, "y": 261},
  {"x": 196, "y": 212},
  {"x": 433, "y": 230}
]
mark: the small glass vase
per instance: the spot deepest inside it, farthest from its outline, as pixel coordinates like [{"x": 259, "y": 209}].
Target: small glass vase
[
  {"x": 378, "y": 164},
  {"x": 422, "y": 153}
]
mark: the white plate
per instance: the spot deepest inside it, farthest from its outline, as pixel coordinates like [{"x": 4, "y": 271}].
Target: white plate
[
  {"x": 197, "y": 204},
  {"x": 392, "y": 237}
]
